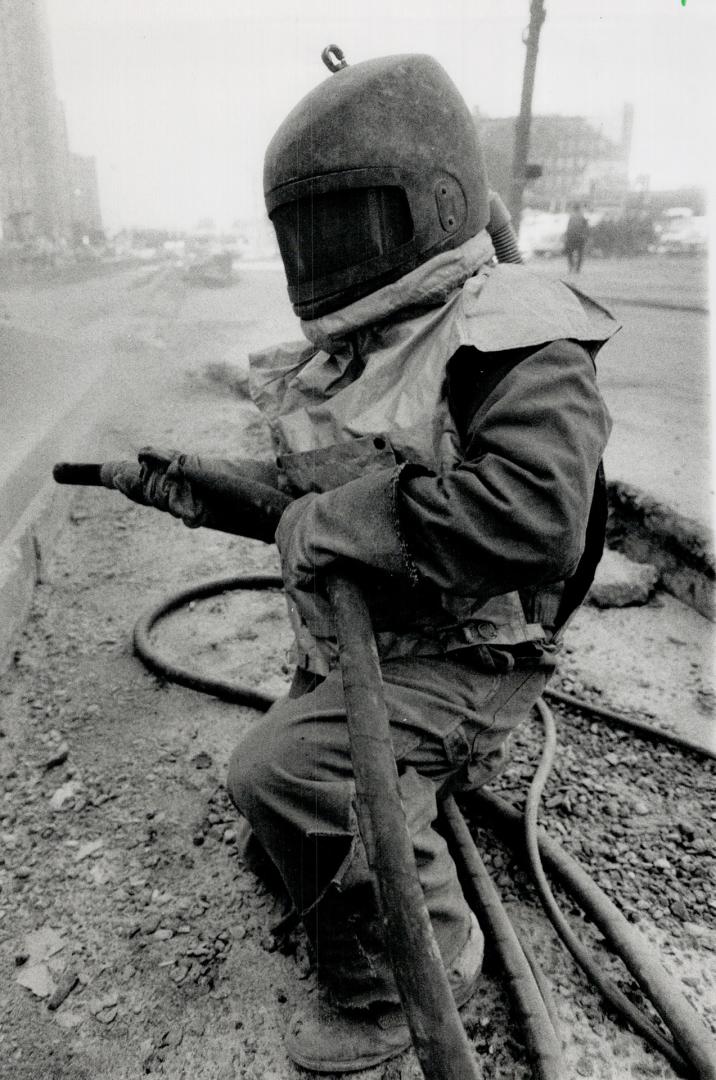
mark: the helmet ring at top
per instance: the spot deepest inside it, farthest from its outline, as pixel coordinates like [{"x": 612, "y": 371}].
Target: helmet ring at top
[{"x": 334, "y": 58}]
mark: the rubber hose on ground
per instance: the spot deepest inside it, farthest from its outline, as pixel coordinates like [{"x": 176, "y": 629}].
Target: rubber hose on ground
[
  {"x": 626, "y": 941},
  {"x": 227, "y": 691},
  {"x": 527, "y": 986},
  {"x": 638, "y": 1021},
  {"x": 244, "y": 695},
  {"x": 649, "y": 731}
]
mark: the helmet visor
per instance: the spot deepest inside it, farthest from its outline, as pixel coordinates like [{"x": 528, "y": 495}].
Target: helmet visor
[{"x": 323, "y": 234}]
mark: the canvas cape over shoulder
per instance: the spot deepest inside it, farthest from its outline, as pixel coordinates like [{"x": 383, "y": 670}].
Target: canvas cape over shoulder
[{"x": 369, "y": 390}]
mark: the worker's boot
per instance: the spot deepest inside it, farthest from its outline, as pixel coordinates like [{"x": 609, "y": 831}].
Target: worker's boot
[
  {"x": 327, "y": 1039},
  {"x": 364, "y": 1023}
]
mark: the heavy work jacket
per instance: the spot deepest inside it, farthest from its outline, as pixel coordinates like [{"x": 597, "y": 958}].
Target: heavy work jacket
[{"x": 456, "y": 410}]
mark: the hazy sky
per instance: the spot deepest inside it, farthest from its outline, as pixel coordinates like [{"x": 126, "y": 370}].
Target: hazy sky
[{"x": 177, "y": 99}]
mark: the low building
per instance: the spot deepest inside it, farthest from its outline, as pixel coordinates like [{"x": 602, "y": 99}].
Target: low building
[{"x": 579, "y": 162}]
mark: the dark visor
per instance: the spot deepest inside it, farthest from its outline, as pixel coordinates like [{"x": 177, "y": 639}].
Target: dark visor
[{"x": 319, "y": 235}]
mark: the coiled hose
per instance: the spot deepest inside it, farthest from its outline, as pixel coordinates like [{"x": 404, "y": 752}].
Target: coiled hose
[
  {"x": 256, "y": 699},
  {"x": 166, "y": 669}
]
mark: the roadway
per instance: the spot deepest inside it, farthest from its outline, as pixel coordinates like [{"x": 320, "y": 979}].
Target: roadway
[
  {"x": 655, "y": 374},
  {"x": 655, "y": 378}
]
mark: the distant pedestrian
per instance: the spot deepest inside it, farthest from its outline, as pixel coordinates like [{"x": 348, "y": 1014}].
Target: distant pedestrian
[{"x": 575, "y": 239}]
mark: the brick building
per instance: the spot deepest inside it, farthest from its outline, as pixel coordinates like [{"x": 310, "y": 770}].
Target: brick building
[{"x": 578, "y": 160}]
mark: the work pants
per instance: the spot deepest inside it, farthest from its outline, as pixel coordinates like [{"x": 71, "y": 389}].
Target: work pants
[{"x": 291, "y": 777}]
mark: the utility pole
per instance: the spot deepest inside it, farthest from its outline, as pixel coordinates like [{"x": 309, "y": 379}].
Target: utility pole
[{"x": 522, "y": 127}]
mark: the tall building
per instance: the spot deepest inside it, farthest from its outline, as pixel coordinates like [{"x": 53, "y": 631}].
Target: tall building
[
  {"x": 578, "y": 161},
  {"x": 85, "y": 210},
  {"x": 34, "y": 157}
]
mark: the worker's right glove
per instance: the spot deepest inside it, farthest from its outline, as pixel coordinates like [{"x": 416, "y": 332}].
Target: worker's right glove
[
  {"x": 238, "y": 497},
  {"x": 157, "y": 480}
]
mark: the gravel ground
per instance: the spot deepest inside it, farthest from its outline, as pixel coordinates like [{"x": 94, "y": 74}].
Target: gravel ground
[{"x": 120, "y": 881}]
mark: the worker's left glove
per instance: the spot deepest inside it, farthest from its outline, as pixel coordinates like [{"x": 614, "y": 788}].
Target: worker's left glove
[{"x": 357, "y": 521}]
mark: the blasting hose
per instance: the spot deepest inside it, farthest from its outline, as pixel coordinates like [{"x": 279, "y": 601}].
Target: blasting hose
[
  {"x": 690, "y": 1034},
  {"x": 581, "y": 954},
  {"x": 527, "y": 985},
  {"x": 439, "y": 1036}
]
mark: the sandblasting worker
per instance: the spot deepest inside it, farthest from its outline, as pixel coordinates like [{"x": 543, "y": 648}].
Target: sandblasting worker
[{"x": 440, "y": 427}]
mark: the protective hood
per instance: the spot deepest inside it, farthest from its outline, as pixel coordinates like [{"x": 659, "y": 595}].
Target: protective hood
[
  {"x": 380, "y": 363},
  {"x": 507, "y": 306},
  {"x": 428, "y": 286}
]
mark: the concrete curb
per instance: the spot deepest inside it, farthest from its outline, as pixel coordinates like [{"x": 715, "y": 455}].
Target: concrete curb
[
  {"x": 682, "y": 550},
  {"x": 22, "y": 554},
  {"x": 33, "y": 511}
]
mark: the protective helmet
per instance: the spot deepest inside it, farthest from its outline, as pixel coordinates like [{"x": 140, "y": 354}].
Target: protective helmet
[{"x": 376, "y": 170}]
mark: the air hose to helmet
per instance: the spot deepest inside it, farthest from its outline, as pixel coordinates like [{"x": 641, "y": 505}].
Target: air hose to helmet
[{"x": 502, "y": 234}]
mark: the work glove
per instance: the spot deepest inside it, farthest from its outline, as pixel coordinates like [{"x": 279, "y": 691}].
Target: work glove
[
  {"x": 357, "y": 521},
  {"x": 238, "y": 497},
  {"x": 157, "y": 480}
]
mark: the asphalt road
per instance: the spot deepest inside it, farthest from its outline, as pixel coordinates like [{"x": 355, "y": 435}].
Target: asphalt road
[
  {"x": 656, "y": 374},
  {"x": 655, "y": 378},
  {"x": 670, "y": 281},
  {"x": 55, "y": 342},
  {"x": 40, "y": 377}
]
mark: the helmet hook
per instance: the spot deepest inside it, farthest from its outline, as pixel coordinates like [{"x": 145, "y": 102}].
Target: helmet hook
[{"x": 333, "y": 57}]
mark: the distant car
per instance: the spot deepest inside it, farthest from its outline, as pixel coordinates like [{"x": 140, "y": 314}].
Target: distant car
[
  {"x": 682, "y": 236},
  {"x": 542, "y": 234},
  {"x": 215, "y": 268}
]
